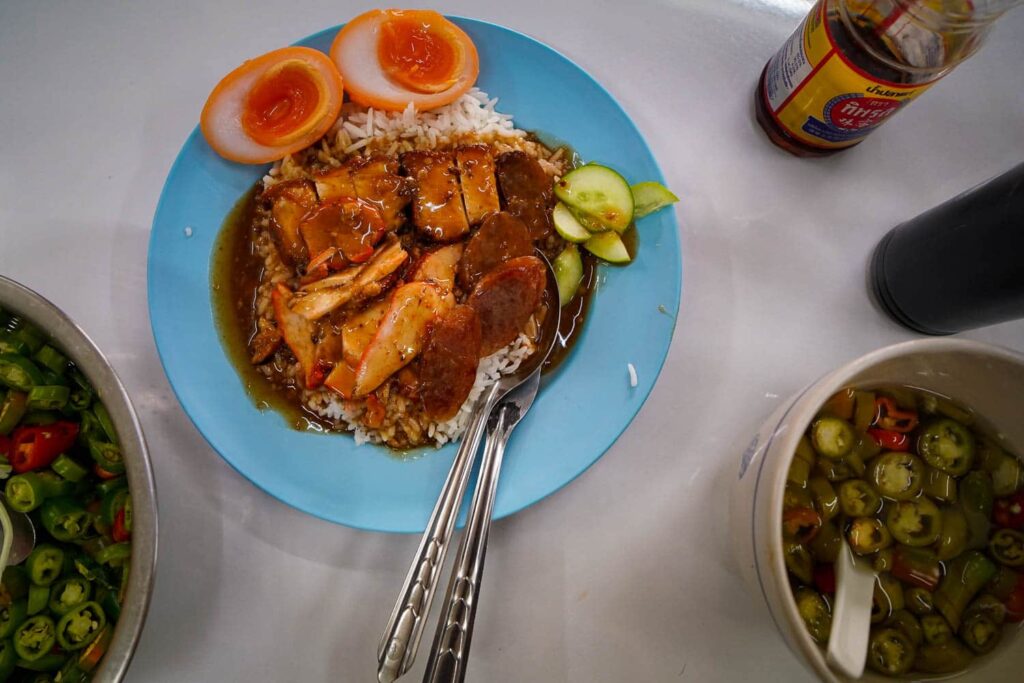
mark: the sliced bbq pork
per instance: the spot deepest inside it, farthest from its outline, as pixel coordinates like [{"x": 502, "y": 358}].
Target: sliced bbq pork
[
  {"x": 437, "y": 209},
  {"x": 477, "y": 180},
  {"x": 501, "y": 237}
]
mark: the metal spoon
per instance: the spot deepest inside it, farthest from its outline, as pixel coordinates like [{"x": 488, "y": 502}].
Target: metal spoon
[
  {"x": 851, "y": 614},
  {"x": 449, "y": 655},
  {"x": 400, "y": 641},
  {"x": 18, "y": 527}
]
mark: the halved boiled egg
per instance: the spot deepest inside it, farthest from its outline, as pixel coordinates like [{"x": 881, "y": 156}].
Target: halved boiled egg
[
  {"x": 390, "y": 58},
  {"x": 273, "y": 105}
]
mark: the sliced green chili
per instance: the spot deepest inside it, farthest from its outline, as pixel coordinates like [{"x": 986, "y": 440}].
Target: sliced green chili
[
  {"x": 12, "y": 410},
  {"x": 51, "y": 359},
  {"x": 80, "y": 626},
  {"x": 12, "y": 345},
  {"x": 106, "y": 423},
  {"x": 107, "y": 455},
  {"x": 799, "y": 562},
  {"x": 936, "y": 629},
  {"x": 939, "y": 485},
  {"x": 64, "y": 518},
  {"x": 113, "y": 554},
  {"x": 48, "y": 397},
  {"x": 35, "y": 637},
  {"x": 38, "y": 599},
  {"x": 30, "y": 334},
  {"x": 887, "y": 597},
  {"x": 8, "y": 659},
  {"x": 18, "y": 372},
  {"x": 825, "y": 500},
  {"x": 907, "y": 623},
  {"x": 68, "y": 468},
  {"x": 955, "y": 533},
  {"x": 1007, "y": 477},
  {"x": 68, "y": 593},
  {"x": 944, "y": 658},
  {"x": 45, "y": 564},
  {"x": 919, "y": 601},
  {"x": 11, "y": 617}
]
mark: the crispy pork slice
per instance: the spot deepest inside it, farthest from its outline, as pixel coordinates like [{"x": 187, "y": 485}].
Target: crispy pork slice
[
  {"x": 438, "y": 265},
  {"x": 334, "y": 184},
  {"x": 437, "y": 207},
  {"x": 355, "y": 284},
  {"x": 298, "y": 334},
  {"x": 528, "y": 191},
  {"x": 290, "y": 201},
  {"x": 479, "y": 186},
  {"x": 376, "y": 180},
  {"x": 401, "y": 334},
  {"x": 358, "y": 331}
]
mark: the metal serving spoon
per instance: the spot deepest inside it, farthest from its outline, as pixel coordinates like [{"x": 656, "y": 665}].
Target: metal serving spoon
[{"x": 400, "y": 641}]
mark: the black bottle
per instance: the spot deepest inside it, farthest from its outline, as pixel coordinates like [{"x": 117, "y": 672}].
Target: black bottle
[{"x": 957, "y": 266}]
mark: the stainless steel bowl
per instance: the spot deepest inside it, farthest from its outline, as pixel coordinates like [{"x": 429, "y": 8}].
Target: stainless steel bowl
[{"x": 77, "y": 345}]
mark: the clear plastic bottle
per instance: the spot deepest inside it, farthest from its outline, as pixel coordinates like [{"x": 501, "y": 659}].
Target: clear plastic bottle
[{"x": 852, "y": 64}]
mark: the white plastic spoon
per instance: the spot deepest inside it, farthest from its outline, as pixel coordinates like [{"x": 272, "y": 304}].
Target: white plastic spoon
[{"x": 851, "y": 614}]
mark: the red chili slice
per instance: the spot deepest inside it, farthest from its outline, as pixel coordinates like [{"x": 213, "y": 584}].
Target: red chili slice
[
  {"x": 35, "y": 447},
  {"x": 890, "y": 440},
  {"x": 890, "y": 416}
]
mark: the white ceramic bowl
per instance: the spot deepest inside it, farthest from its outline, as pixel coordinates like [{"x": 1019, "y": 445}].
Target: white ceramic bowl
[{"x": 986, "y": 378}]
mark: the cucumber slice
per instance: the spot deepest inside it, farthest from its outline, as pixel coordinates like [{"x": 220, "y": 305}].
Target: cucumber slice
[
  {"x": 591, "y": 224},
  {"x": 598, "y": 192},
  {"x": 568, "y": 273},
  {"x": 650, "y": 196},
  {"x": 608, "y": 246},
  {"x": 567, "y": 225}
]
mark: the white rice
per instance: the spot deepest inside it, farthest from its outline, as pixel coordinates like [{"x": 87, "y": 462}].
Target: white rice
[
  {"x": 332, "y": 407},
  {"x": 368, "y": 130}
]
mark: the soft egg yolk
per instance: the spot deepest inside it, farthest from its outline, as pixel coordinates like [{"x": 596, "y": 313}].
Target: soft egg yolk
[
  {"x": 418, "y": 54},
  {"x": 283, "y": 103}
]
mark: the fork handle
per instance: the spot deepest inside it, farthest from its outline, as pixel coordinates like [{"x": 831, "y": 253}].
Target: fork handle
[
  {"x": 449, "y": 655},
  {"x": 401, "y": 638}
]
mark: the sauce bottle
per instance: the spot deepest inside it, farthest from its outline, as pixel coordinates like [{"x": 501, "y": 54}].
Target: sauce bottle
[{"x": 852, "y": 64}]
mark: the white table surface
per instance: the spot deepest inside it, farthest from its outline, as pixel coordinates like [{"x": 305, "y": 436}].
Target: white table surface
[{"x": 626, "y": 574}]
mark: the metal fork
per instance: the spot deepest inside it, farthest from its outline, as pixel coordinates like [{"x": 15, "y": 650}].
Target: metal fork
[
  {"x": 449, "y": 655},
  {"x": 400, "y": 641}
]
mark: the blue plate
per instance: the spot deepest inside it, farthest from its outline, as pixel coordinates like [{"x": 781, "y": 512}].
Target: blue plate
[{"x": 577, "y": 416}]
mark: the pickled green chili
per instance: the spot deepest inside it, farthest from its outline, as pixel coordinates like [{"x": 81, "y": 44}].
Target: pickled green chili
[
  {"x": 907, "y": 624},
  {"x": 799, "y": 562},
  {"x": 936, "y": 629},
  {"x": 954, "y": 535},
  {"x": 857, "y": 498},
  {"x": 887, "y": 597},
  {"x": 815, "y": 612},
  {"x": 1007, "y": 547},
  {"x": 868, "y": 535},
  {"x": 980, "y": 633},
  {"x": 897, "y": 475},
  {"x": 919, "y": 601},
  {"x": 832, "y": 437},
  {"x": 8, "y": 659},
  {"x": 944, "y": 658},
  {"x": 966, "y": 575},
  {"x": 914, "y": 522},
  {"x": 890, "y": 652},
  {"x": 939, "y": 485},
  {"x": 947, "y": 445}
]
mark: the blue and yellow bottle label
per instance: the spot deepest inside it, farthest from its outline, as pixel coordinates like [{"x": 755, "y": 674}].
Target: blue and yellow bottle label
[{"x": 815, "y": 93}]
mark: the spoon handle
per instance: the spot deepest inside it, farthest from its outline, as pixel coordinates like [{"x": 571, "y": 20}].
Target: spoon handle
[
  {"x": 450, "y": 652},
  {"x": 400, "y": 641}
]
